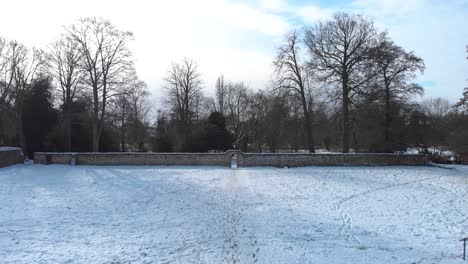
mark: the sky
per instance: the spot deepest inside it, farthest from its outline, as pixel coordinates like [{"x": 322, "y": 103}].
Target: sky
[{"x": 239, "y": 38}]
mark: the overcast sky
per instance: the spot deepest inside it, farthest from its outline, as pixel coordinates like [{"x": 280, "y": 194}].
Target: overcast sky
[{"x": 238, "y": 38}]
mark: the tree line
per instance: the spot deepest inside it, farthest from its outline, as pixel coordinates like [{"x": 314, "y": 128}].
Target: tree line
[{"x": 339, "y": 85}]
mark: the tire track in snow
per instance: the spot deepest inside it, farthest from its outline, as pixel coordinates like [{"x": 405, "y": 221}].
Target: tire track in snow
[
  {"x": 454, "y": 205},
  {"x": 347, "y": 220}
]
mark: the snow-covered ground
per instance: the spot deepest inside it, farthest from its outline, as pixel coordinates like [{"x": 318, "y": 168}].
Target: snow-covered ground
[{"x": 87, "y": 214}]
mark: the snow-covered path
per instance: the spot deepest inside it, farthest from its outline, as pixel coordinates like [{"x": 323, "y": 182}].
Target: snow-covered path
[{"x": 87, "y": 214}]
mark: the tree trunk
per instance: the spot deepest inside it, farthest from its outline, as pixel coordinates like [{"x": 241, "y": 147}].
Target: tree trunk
[
  {"x": 355, "y": 141},
  {"x": 388, "y": 120},
  {"x": 245, "y": 142},
  {"x": 19, "y": 126},
  {"x": 67, "y": 128},
  {"x": 307, "y": 126},
  {"x": 20, "y": 133},
  {"x": 188, "y": 129},
  {"x": 346, "y": 125},
  {"x": 95, "y": 136},
  {"x": 272, "y": 147},
  {"x": 67, "y": 121},
  {"x": 2, "y": 136},
  {"x": 122, "y": 131},
  {"x": 96, "y": 121}
]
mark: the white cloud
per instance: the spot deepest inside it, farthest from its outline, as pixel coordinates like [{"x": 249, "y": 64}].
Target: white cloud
[
  {"x": 313, "y": 13},
  {"x": 277, "y": 6},
  {"x": 390, "y": 7},
  {"x": 208, "y": 31},
  {"x": 309, "y": 13},
  {"x": 432, "y": 30},
  {"x": 243, "y": 17},
  {"x": 237, "y": 37}
]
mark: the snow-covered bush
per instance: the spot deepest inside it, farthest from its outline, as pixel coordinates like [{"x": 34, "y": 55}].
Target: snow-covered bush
[{"x": 440, "y": 155}]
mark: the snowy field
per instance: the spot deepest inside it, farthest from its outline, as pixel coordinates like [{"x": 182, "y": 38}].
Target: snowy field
[{"x": 87, "y": 214}]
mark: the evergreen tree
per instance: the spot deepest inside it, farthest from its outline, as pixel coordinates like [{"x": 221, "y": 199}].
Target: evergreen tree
[
  {"x": 39, "y": 116},
  {"x": 161, "y": 142},
  {"x": 217, "y": 137}
]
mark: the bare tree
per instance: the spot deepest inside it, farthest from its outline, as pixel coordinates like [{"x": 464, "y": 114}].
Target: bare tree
[
  {"x": 64, "y": 66},
  {"x": 121, "y": 106},
  {"x": 340, "y": 50},
  {"x": 256, "y": 114},
  {"x": 220, "y": 95},
  {"x": 129, "y": 113},
  {"x": 19, "y": 66},
  {"x": 463, "y": 103},
  {"x": 184, "y": 88},
  {"x": 237, "y": 104},
  {"x": 138, "y": 97},
  {"x": 292, "y": 76},
  {"x": 107, "y": 63},
  {"x": 6, "y": 86},
  {"x": 6, "y": 73},
  {"x": 202, "y": 107},
  {"x": 139, "y": 110},
  {"x": 436, "y": 108},
  {"x": 5, "y": 70},
  {"x": 396, "y": 67}
]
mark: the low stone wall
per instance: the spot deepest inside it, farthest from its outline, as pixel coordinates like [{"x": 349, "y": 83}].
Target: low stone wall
[
  {"x": 10, "y": 156},
  {"x": 53, "y": 158},
  {"x": 130, "y": 158},
  {"x": 358, "y": 159},
  {"x": 224, "y": 159}
]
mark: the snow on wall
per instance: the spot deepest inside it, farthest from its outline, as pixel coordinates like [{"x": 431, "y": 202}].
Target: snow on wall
[
  {"x": 10, "y": 156},
  {"x": 9, "y": 148},
  {"x": 224, "y": 159}
]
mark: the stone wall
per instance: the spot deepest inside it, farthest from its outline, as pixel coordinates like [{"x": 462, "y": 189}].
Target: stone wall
[
  {"x": 10, "y": 156},
  {"x": 224, "y": 159},
  {"x": 130, "y": 158},
  {"x": 358, "y": 159}
]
